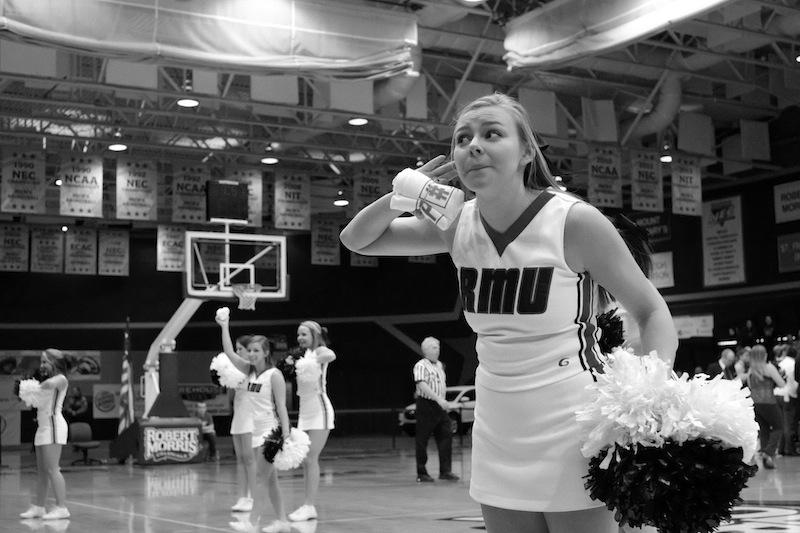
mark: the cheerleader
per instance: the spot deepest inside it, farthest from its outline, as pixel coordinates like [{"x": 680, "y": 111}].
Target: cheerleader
[
  {"x": 528, "y": 258},
  {"x": 316, "y": 411},
  {"x": 51, "y": 435},
  {"x": 242, "y": 422}
]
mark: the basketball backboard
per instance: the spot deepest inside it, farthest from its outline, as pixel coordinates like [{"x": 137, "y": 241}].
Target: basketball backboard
[{"x": 216, "y": 262}]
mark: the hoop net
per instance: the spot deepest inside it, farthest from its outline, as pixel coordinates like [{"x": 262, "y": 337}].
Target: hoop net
[{"x": 247, "y": 294}]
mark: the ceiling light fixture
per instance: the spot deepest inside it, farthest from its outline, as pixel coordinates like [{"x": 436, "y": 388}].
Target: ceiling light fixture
[
  {"x": 64, "y": 228},
  {"x": 358, "y": 121},
  {"x": 419, "y": 162},
  {"x": 335, "y": 169},
  {"x": 270, "y": 160},
  {"x": 118, "y": 145},
  {"x": 341, "y": 201},
  {"x": 58, "y": 182},
  {"x": 666, "y": 155},
  {"x": 187, "y": 102}
]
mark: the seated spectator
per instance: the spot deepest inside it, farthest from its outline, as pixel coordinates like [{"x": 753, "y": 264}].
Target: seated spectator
[
  {"x": 209, "y": 434},
  {"x": 724, "y": 365},
  {"x": 76, "y": 406}
]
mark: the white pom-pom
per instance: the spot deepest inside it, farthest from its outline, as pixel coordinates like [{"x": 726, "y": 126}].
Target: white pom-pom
[
  {"x": 229, "y": 376},
  {"x": 639, "y": 401},
  {"x": 307, "y": 368},
  {"x": 294, "y": 450},
  {"x": 223, "y": 313},
  {"x": 31, "y": 392}
]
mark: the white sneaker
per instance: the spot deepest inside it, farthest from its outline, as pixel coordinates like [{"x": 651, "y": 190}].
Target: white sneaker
[
  {"x": 243, "y": 505},
  {"x": 242, "y": 525},
  {"x": 278, "y": 526},
  {"x": 58, "y": 513},
  {"x": 303, "y": 513},
  {"x": 34, "y": 511}
]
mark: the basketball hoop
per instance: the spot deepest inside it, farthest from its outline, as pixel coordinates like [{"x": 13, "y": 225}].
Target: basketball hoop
[{"x": 247, "y": 294}]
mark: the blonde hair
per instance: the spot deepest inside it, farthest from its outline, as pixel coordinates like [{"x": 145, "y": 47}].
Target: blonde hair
[
  {"x": 61, "y": 361},
  {"x": 537, "y": 172},
  {"x": 758, "y": 361},
  {"x": 318, "y": 333}
]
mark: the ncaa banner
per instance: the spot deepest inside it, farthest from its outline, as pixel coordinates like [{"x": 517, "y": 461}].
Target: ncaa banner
[
  {"x": 787, "y": 202},
  {"x": 325, "y": 242},
  {"x": 647, "y": 182},
  {"x": 137, "y": 190},
  {"x": 113, "y": 256},
  {"x": 605, "y": 183},
  {"x": 687, "y": 193},
  {"x": 14, "y": 246},
  {"x": 255, "y": 194},
  {"x": 47, "y": 250},
  {"x": 189, "y": 193},
  {"x": 80, "y": 252},
  {"x": 358, "y": 260},
  {"x": 81, "y": 186},
  {"x": 723, "y": 249},
  {"x": 24, "y": 183},
  {"x": 292, "y": 201},
  {"x": 170, "y": 246}
]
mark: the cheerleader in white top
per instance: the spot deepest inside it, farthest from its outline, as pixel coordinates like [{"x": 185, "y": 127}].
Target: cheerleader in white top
[
  {"x": 265, "y": 393},
  {"x": 316, "y": 410},
  {"x": 242, "y": 421},
  {"x": 51, "y": 434},
  {"x": 528, "y": 258}
]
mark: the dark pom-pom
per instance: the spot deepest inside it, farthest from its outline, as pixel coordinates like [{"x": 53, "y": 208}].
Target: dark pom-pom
[
  {"x": 286, "y": 365},
  {"x": 215, "y": 378},
  {"x": 16, "y": 388},
  {"x": 681, "y": 488},
  {"x": 41, "y": 374},
  {"x": 613, "y": 333},
  {"x": 273, "y": 444}
]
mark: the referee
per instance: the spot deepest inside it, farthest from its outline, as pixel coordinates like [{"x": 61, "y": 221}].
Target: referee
[{"x": 432, "y": 417}]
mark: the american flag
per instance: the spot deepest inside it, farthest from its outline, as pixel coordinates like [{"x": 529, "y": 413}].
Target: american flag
[{"x": 126, "y": 417}]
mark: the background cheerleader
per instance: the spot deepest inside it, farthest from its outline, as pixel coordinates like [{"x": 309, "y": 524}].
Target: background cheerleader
[
  {"x": 51, "y": 435},
  {"x": 316, "y": 412}
]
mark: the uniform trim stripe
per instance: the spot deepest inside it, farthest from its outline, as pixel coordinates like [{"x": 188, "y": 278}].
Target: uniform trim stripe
[
  {"x": 586, "y": 328},
  {"x": 53, "y": 415}
]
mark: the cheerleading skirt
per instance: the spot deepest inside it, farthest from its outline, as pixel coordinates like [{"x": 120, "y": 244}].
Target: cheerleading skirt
[
  {"x": 52, "y": 431},
  {"x": 262, "y": 427},
  {"x": 316, "y": 412},
  {"x": 526, "y": 444},
  {"x": 242, "y": 421}
]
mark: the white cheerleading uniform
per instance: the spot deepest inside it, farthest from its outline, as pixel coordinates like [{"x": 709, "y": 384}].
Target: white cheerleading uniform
[
  {"x": 537, "y": 351},
  {"x": 52, "y": 427},
  {"x": 258, "y": 389},
  {"x": 316, "y": 410},
  {"x": 242, "y": 421}
]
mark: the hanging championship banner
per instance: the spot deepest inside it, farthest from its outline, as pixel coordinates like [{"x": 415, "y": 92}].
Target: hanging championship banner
[
  {"x": 255, "y": 195},
  {"x": 113, "y": 253},
  {"x": 47, "y": 250},
  {"x": 723, "y": 249},
  {"x": 292, "y": 201},
  {"x": 110, "y": 195},
  {"x": 789, "y": 253},
  {"x": 80, "y": 252},
  {"x": 136, "y": 190},
  {"x": 647, "y": 182},
  {"x": 422, "y": 259},
  {"x": 358, "y": 260},
  {"x": 657, "y": 226},
  {"x": 324, "y": 241},
  {"x": 787, "y": 201},
  {"x": 14, "y": 246},
  {"x": 368, "y": 186},
  {"x": 170, "y": 249},
  {"x": 23, "y": 183},
  {"x": 81, "y": 186},
  {"x": 189, "y": 194},
  {"x": 662, "y": 274},
  {"x": 687, "y": 195},
  {"x": 605, "y": 184}
]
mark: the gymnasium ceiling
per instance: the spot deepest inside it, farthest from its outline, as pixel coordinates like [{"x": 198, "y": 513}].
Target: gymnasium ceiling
[{"x": 736, "y": 61}]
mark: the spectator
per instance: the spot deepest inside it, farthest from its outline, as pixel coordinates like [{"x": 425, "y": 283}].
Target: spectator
[
  {"x": 762, "y": 378},
  {"x": 208, "y": 432},
  {"x": 768, "y": 332},
  {"x": 724, "y": 365},
  {"x": 76, "y": 406},
  {"x": 787, "y": 399},
  {"x": 748, "y": 334}
]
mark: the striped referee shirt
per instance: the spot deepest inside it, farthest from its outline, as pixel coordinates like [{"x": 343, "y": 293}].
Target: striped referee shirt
[{"x": 431, "y": 373}]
